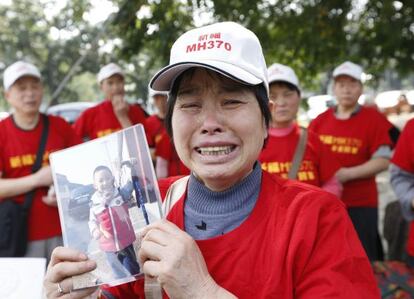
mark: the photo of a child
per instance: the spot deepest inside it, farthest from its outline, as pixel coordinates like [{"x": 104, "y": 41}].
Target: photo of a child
[
  {"x": 105, "y": 200},
  {"x": 110, "y": 223}
]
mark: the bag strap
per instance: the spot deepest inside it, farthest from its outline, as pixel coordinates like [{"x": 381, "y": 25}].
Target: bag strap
[
  {"x": 174, "y": 193},
  {"x": 152, "y": 287},
  {"x": 298, "y": 156},
  {"x": 28, "y": 199}
]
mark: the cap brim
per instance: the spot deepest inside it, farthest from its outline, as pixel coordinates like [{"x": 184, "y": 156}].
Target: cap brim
[
  {"x": 28, "y": 74},
  {"x": 347, "y": 74},
  {"x": 279, "y": 79},
  {"x": 106, "y": 76},
  {"x": 164, "y": 79}
]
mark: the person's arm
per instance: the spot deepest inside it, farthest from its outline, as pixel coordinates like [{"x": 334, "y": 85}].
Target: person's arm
[
  {"x": 183, "y": 274},
  {"x": 380, "y": 160},
  {"x": 126, "y": 190},
  {"x": 362, "y": 171},
  {"x": 94, "y": 225},
  {"x": 161, "y": 168},
  {"x": 403, "y": 184},
  {"x": 10, "y": 187}
]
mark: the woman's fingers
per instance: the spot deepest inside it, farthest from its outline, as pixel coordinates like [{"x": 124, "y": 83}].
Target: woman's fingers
[
  {"x": 151, "y": 268},
  {"x": 78, "y": 294},
  {"x": 163, "y": 225},
  {"x": 64, "y": 264},
  {"x": 158, "y": 236},
  {"x": 66, "y": 254},
  {"x": 67, "y": 269}
]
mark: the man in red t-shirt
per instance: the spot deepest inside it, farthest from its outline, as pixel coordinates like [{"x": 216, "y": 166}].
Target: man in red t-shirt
[
  {"x": 19, "y": 138},
  {"x": 402, "y": 180},
  {"x": 317, "y": 166},
  {"x": 154, "y": 124},
  {"x": 114, "y": 113},
  {"x": 359, "y": 138}
]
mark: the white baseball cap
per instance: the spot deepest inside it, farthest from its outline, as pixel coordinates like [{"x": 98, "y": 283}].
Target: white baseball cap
[
  {"x": 153, "y": 92},
  {"x": 227, "y": 48},
  {"x": 109, "y": 70},
  {"x": 280, "y": 72},
  {"x": 349, "y": 69},
  {"x": 17, "y": 70}
]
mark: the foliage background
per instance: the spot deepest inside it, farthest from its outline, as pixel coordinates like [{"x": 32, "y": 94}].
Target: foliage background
[{"x": 312, "y": 36}]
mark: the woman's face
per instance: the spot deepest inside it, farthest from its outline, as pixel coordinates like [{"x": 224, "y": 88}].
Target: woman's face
[
  {"x": 284, "y": 104},
  {"x": 218, "y": 128}
]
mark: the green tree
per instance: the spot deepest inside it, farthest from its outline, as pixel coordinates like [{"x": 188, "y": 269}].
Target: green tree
[
  {"x": 312, "y": 36},
  {"x": 25, "y": 33}
]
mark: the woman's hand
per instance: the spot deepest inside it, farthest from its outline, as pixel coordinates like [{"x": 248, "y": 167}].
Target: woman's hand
[
  {"x": 173, "y": 257},
  {"x": 50, "y": 199},
  {"x": 65, "y": 263}
]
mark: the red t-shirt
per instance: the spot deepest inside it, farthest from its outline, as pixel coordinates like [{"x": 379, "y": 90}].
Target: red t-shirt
[
  {"x": 404, "y": 158},
  {"x": 154, "y": 128},
  {"x": 298, "y": 242},
  {"x": 353, "y": 141},
  {"x": 17, "y": 155},
  {"x": 318, "y": 164},
  {"x": 166, "y": 150},
  {"x": 101, "y": 120}
]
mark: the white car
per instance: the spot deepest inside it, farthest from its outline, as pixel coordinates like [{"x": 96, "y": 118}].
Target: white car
[
  {"x": 70, "y": 111},
  {"x": 318, "y": 104}
]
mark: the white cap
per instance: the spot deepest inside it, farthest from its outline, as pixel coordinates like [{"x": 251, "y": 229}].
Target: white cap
[
  {"x": 109, "y": 70},
  {"x": 349, "y": 69},
  {"x": 18, "y": 70},
  {"x": 227, "y": 48},
  {"x": 153, "y": 92},
  {"x": 281, "y": 72}
]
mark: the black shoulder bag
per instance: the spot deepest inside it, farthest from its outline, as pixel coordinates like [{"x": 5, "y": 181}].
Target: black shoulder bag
[{"x": 14, "y": 216}]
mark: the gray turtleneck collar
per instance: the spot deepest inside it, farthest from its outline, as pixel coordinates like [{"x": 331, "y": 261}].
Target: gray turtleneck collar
[{"x": 208, "y": 213}]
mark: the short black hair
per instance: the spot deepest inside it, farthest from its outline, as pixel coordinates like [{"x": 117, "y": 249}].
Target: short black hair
[
  {"x": 259, "y": 91},
  {"x": 102, "y": 168}
]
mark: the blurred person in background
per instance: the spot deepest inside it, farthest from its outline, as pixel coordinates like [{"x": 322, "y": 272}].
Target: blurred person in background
[
  {"x": 154, "y": 124},
  {"x": 114, "y": 113},
  {"x": 402, "y": 181},
  {"x": 315, "y": 164},
  {"x": 167, "y": 161},
  {"x": 359, "y": 137},
  {"x": 19, "y": 138}
]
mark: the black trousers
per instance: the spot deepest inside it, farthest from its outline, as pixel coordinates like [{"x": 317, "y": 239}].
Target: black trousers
[{"x": 365, "y": 221}]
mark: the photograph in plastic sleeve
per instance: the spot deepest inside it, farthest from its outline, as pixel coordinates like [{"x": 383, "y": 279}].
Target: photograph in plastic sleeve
[{"x": 107, "y": 193}]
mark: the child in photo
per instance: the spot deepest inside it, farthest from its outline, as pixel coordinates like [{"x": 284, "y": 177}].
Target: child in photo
[{"x": 110, "y": 223}]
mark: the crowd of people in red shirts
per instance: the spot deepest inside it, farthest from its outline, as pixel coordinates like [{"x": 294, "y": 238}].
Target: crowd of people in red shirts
[{"x": 341, "y": 151}]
